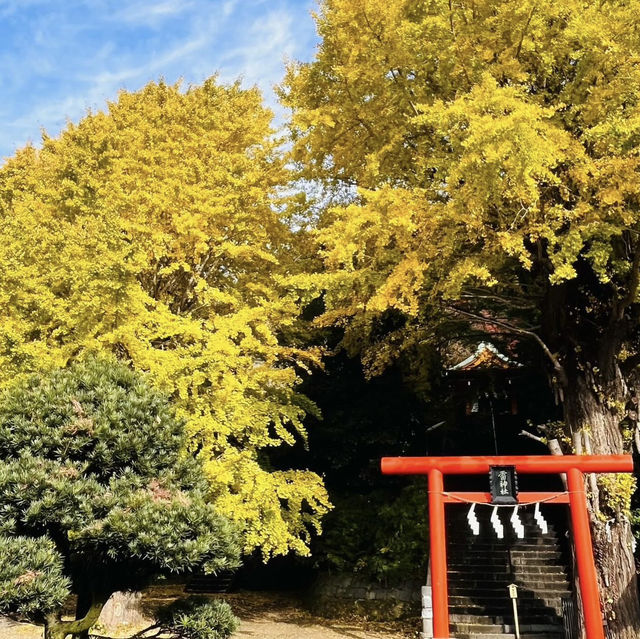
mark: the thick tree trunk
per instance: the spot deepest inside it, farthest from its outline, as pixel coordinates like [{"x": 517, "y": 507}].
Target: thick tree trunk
[
  {"x": 53, "y": 628},
  {"x": 83, "y": 606},
  {"x": 593, "y": 411},
  {"x": 56, "y": 628}
]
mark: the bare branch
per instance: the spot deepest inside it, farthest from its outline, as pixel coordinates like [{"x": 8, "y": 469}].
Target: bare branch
[
  {"x": 557, "y": 366},
  {"x": 526, "y": 433},
  {"x": 507, "y": 301}
]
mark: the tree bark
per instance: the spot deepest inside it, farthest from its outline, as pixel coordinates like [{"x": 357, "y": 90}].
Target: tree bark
[
  {"x": 55, "y": 628},
  {"x": 592, "y": 408},
  {"x": 83, "y": 605}
]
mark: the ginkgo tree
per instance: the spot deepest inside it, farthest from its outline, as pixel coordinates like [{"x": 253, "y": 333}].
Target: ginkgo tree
[
  {"x": 154, "y": 230},
  {"x": 485, "y": 159}
]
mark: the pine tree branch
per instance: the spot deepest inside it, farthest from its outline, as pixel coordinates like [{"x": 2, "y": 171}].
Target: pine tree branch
[{"x": 81, "y": 625}]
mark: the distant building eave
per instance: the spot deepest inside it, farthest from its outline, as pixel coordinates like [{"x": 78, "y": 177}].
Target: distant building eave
[{"x": 483, "y": 356}]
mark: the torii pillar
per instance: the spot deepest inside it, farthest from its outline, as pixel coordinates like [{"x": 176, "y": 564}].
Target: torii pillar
[{"x": 573, "y": 465}]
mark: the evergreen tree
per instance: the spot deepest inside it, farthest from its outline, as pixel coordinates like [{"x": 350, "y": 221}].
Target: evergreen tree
[{"x": 97, "y": 494}]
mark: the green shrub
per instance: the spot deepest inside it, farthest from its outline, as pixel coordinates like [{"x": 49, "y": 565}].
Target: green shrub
[
  {"x": 198, "y": 618},
  {"x": 382, "y": 536}
]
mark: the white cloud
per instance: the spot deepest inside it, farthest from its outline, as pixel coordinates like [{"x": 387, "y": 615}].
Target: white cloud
[
  {"x": 154, "y": 65},
  {"x": 259, "y": 57},
  {"x": 150, "y": 11},
  {"x": 78, "y": 54}
]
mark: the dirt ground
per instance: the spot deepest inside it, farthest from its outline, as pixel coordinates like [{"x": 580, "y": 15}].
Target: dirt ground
[{"x": 271, "y": 616}]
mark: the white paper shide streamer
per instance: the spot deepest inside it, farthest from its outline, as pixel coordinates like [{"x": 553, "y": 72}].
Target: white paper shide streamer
[
  {"x": 497, "y": 524},
  {"x": 516, "y": 522},
  {"x": 474, "y": 524},
  {"x": 540, "y": 520}
]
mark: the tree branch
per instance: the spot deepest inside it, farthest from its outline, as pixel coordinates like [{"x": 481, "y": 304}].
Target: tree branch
[
  {"x": 513, "y": 302},
  {"x": 634, "y": 281},
  {"x": 64, "y": 628},
  {"x": 524, "y": 31},
  {"x": 557, "y": 366},
  {"x": 526, "y": 433}
]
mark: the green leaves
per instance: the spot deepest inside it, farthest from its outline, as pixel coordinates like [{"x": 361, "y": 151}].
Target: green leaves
[
  {"x": 92, "y": 458},
  {"x": 32, "y": 581},
  {"x": 102, "y": 415},
  {"x": 165, "y": 529}
]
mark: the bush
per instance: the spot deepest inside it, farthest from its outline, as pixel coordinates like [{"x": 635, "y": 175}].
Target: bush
[
  {"x": 198, "y": 618},
  {"x": 380, "y": 536}
]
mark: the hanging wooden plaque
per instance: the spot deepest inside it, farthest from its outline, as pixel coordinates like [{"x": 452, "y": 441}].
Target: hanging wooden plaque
[{"x": 503, "y": 481}]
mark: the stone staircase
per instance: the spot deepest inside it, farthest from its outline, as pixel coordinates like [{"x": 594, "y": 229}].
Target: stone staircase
[{"x": 481, "y": 569}]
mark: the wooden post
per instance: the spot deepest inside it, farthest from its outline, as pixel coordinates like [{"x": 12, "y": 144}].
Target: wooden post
[
  {"x": 584, "y": 556},
  {"x": 438, "y": 556}
]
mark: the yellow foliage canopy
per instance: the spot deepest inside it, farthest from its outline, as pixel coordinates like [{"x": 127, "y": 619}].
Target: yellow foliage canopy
[
  {"x": 490, "y": 150},
  {"x": 153, "y": 231},
  {"x": 486, "y": 144}
]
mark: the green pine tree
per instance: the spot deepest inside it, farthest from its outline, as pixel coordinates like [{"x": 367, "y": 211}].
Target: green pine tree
[{"x": 97, "y": 495}]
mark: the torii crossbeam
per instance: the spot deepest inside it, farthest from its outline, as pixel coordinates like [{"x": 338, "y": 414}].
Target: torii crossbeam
[{"x": 573, "y": 465}]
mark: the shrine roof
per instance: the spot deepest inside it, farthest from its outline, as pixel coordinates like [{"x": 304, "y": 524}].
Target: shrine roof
[{"x": 486, "y": 356}]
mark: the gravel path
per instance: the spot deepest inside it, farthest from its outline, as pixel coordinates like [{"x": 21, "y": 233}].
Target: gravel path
[
  {"x": 267, "y": 616},
  {"x": 273, "y": 629}
]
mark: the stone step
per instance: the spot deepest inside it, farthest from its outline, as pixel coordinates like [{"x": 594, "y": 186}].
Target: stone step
[
  {"x": 497, "y": 591},
  {"x": 461, "y": 618},
  {"x": 454, "y": 551},
  {"x": 501, "y": 590},
  {"x": 528, "y": 581},
  {"x": 536, "y": 561},
  {"x": 476, "y": 629},
  {"x": 546, "y": 571},
  {"x": 538, "y": 551},
  {"x": 488, "y": 597},
  {"x": 487, "y": 602},
  {"x": 525, "y": 564},
  {"x": 460, "y": 530},
  {"x": 499, "y": 608},
  {"x": 532, "y": 628},
  {"x": 493, "y": 549},
  {"x": 549, "y": 557},
  {"x": 528, "y": 619},
  {"x": 528, "y": 625},
  {"x": 489, "y": 539},
  {"x": 483, "y": 599},
  {"x": 531, "y": 538}
]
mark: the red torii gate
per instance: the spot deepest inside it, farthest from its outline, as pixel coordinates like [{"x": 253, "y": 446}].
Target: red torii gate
[{"x": 573, "y": 465}]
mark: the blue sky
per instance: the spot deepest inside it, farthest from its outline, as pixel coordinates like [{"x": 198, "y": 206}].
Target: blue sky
[{"x": 60, "y": 57}]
